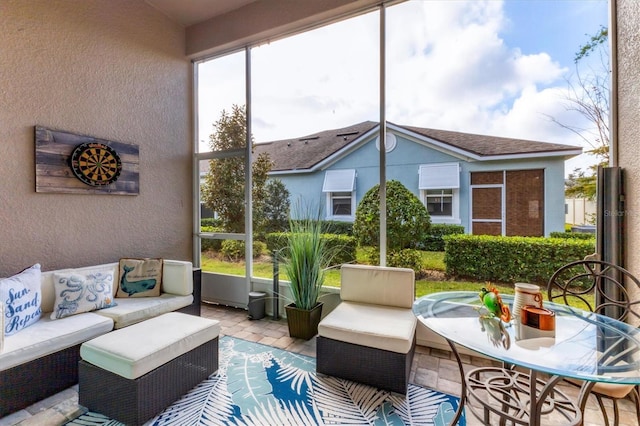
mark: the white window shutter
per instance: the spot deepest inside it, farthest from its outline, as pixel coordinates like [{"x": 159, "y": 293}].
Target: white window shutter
[
  {"x": 339, "y": 180},
  {"x": 439, "y": 176}
]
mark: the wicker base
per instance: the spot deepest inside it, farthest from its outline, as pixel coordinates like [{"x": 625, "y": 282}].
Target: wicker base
[
  {"x": 133, "y": 402},
  {"x": 375, "y": 367},
  {"x": 36, "y": 380}
]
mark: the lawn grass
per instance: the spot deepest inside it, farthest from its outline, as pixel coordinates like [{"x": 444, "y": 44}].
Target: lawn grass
[{"x": 432, "y": 260}]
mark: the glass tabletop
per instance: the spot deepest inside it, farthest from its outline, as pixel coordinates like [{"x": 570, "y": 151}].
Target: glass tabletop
[{"x": 586, "y": 346}]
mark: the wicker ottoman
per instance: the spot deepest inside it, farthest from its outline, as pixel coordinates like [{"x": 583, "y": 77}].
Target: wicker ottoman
[{"x": 133, "y": 373}]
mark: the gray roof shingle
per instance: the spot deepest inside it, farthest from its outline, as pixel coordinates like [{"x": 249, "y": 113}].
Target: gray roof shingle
[{"x": 306, "y": 152}]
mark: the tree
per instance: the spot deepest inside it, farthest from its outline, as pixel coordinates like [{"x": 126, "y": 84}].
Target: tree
[
  {"x": 223, "y": 188},
  {"x": 590, "y": 98},
  {"x": 276, "y": 207},
  {"x": 408, "y": 220}
]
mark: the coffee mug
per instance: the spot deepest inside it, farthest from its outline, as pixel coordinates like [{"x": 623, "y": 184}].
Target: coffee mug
[{"x": 526, "y": 294}]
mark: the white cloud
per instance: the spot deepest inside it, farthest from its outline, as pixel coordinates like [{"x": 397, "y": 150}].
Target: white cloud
[{"x": 449, "y": 67}]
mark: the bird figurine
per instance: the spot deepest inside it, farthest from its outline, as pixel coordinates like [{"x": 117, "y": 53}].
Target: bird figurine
[{"x": 492, "y": 301}]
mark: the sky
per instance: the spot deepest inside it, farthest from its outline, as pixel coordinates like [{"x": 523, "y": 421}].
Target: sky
[{"x": 489, "y": 67}]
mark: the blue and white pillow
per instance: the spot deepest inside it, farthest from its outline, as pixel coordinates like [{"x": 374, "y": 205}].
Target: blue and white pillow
[
  {"x": 78, "y": 292},
  {"x": 22, "y": 297}
]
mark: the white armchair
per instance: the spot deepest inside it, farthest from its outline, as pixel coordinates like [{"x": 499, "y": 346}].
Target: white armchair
[{"x": 370, "y": 336}]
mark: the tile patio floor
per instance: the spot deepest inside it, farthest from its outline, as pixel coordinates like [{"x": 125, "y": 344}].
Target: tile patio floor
[{"x": 431, "y": 368}]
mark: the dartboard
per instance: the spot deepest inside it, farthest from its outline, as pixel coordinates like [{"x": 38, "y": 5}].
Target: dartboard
[{"x": 95, "y": 164}]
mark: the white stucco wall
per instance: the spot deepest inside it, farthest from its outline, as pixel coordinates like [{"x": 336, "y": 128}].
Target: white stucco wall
[{"x": 111, "y": 69}]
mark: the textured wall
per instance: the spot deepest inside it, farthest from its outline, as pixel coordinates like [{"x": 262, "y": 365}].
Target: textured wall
[
  {"x": 112, "y": 69},
  {"x": 628, "y": 120},
  {"x": 628, "y": 55}
]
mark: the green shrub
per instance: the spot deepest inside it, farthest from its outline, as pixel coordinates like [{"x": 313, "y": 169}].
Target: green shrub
[
  {"x": 233, "y": 250},
  {"x": 574, "y": 235},
  {"x": 405, "y": 258},
  {"x": 209, "y": 244},
  {"x": 342, "y": 246},
  {"x": 408, "y": 220},
  {"x": 337, "y": 227},
  {"x": 511, "y": 259},
  {"x": 434, "y": 241},
  {"x": 209, "y": 222}
]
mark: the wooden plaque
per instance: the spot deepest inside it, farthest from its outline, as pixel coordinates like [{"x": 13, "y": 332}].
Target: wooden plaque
[{"x": 78, "y": 164}]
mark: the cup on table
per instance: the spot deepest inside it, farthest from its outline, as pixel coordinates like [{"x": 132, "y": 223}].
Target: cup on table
[{"x": 525, "y": 294}]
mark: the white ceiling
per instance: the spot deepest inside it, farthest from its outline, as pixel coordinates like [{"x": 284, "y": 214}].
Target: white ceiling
[{"x": 189, "y": 12}]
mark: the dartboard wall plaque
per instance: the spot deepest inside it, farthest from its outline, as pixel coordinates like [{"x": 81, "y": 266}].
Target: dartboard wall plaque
[
  {"x": 95, "y": 164},
  {"x": 72, "y": 163}
]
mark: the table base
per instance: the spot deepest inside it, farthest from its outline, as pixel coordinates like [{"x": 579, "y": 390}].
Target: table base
[{"x": 506, "y": 394}]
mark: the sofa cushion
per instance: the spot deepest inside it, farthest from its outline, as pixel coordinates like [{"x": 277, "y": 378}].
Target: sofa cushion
[
  {"x": 382, "y": 327},
  {"x": 177, "y": 277},
  {"x": 133, "y": 310},
  {"x": 22, "y": 298},
  {"x": 48, "y": 336},
  {"x": 134, "y": 351},
  {"x": 82, "y": 292},
  {"x": 377, "y": 285},
  {"x": 139, "y": 278}
]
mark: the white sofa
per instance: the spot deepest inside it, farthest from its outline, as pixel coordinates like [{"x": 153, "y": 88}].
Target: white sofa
[{"x": 42, "y": 359}]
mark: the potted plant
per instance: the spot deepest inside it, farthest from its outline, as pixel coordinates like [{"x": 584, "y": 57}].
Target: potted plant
[{"x": 306, "y": 256}]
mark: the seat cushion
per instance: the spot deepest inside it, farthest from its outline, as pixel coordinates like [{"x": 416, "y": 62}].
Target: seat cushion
[
  {"x": 376, "y": 326},
  {"x": 136, "y": 350},
  {"x": 133, "y": 310},
  {"x": 48, "y": 336}
]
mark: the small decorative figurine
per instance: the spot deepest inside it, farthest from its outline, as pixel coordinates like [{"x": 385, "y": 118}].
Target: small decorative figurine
[{"x": 491, "y": 300}]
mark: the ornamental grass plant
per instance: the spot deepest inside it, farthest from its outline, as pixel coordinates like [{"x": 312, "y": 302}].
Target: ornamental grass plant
[{"x": 305, "y": 260}]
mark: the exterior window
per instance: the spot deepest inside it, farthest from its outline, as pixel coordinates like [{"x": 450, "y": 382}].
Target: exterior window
[
  {"x": 439, "y": 186},
  {"x": 439, "y": 202},
  {"x": 341, "y": 203},
  {"x": 339, "y": 185}
]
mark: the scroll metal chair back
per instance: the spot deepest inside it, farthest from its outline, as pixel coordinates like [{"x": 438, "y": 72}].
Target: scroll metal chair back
[{"x": 606, "y": 289}]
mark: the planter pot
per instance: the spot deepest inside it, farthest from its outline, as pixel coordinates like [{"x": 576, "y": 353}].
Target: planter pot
[{"x": 303, "y": 323}]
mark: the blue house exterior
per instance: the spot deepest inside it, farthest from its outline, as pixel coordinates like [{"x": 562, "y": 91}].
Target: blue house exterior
[{"x": 489, "y": 185}]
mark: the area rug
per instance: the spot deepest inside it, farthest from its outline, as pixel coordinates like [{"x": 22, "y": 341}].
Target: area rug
[{"x": 262, "y": 385}]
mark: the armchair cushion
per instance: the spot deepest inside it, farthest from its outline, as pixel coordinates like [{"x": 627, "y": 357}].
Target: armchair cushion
[
  {"x": 382, "y": 327},
  {"x": 377, "y": 285}
]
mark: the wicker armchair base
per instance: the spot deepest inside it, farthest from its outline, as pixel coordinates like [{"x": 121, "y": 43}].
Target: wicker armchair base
[
  {"x": 371, "y": 366},
  {"x": 134, "y": 401}
]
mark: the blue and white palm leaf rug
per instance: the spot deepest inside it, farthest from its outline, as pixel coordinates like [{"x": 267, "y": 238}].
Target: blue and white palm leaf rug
[{"x": 262, "y": 385}]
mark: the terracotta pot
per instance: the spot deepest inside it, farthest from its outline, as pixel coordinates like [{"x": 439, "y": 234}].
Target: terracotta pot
[{"x": 303, "y": 323}]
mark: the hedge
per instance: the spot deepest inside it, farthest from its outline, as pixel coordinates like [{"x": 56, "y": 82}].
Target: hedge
[
  {"x": 435, "y": 242},
  {"x": 511, "y": 259},
  {"x": 573, "y": 235},
  {"x": 346, "y": 251}
]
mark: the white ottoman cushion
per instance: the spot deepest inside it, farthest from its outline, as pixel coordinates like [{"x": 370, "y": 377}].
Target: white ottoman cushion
[
  {"x": 382, "y": 327},
  {"x": 136, "y": 350}
]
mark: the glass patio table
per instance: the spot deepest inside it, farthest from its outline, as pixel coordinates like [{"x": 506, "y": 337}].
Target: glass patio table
[{"x": 586, "y": 346}]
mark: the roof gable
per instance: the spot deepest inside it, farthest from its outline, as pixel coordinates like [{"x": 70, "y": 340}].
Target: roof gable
[{"x": 310, "y": 152}]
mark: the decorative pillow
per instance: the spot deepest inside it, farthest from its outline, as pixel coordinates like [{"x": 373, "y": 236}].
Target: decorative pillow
[
  {"x": 78, "y": 292},
  {"x": 1, "y": 326},
  {"x": 21, "y": 295},
  {"x": 140, "y": 277}
]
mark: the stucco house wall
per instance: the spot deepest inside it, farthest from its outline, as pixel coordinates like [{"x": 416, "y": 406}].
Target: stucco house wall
[
  {"x": 626, "y": 123},
  {"x": 402, "y": 164},
  {"x": 115, "y": 70}
]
